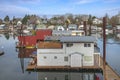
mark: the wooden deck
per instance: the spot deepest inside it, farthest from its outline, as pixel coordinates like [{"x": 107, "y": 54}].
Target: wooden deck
[{"x": 109, "y": 73}]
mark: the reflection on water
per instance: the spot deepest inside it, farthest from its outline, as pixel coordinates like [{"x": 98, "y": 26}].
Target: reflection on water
[
  {"x": 10, "y": 64},
  {"x": 69, "y": 76}
]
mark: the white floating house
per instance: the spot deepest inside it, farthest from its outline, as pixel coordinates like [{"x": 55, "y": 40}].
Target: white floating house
[{"x": 71, "y": 51}]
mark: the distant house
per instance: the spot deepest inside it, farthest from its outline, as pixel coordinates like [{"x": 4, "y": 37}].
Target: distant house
[
  {"x": 117, "y": 28},
  {"x": 78, "y": 33},
  {"x": 51, "y": 27},
  {"x": 81, "y": 27},
  {"x": 30, "y": 27},
  {"x": 19, "y": 23},
  {"x": 68, "y": 33},
  {"x": 41, "y": 26},
  {"x": 97, "y": 21},
  {"x": 60, "y": 28},
  {"x": 72, "y": 27},
  {"x": 72, "y": 51},
  {"x": 61, "y": 33},
  {"x": 2, "y": 27}
]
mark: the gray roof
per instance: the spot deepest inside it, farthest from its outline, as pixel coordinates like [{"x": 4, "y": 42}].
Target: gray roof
[
  {"x": 65, "y": 32},
  {"x": 72, "y": 39},
  {"x": 52, "y": 38},
  {"x": 77, "y": 39}
]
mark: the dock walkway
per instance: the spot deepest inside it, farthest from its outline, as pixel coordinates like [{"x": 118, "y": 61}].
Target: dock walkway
[{"x": 109, "y": 73}]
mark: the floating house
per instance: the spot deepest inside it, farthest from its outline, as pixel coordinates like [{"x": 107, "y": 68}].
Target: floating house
[
  {"x": 68, "y": 51},
  {"x": 31, "y": 40}
]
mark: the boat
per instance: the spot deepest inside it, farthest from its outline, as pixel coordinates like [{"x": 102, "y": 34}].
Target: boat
[{"x": 1, "y": 53}]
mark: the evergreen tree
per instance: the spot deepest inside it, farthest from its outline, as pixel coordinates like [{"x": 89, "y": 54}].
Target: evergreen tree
[
  {"x": 25, "y": 19},
  {"x": 90, "y": 22},
  {"x": 6, "y": 19},
  {"x": 1, "y": 21},
  {"x": 14, "y": 20}
]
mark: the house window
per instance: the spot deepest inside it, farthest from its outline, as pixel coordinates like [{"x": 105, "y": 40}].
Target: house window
[
  {"x": 69, "y": 44},
  {"x": 66, "y": 58},
  {"x": 77, "y": 34},
  {"x": 44, "y": 57},
  {"x": 87, "y": 45},
  {"x": 88, "y": 58},
  {"x": 55, "y": 57}
]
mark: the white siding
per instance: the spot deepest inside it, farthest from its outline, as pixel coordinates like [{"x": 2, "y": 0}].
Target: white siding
[
  {"x": 79, "y": 47},
  {"x": 50, "y": 60},
  {"x": 88, "y": 59},
  {"x": 48, "y": 51},
  {"x": 86, "y": 51}
]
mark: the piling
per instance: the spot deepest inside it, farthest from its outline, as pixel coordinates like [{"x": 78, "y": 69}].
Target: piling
[
  {"x": 104, "y": 47},
  {"x": 85, "y": 28}
]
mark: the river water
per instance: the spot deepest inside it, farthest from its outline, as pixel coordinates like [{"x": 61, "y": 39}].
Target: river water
[
  {"x": 11, "y": 68},
  {"x": 112, "y": 52}
]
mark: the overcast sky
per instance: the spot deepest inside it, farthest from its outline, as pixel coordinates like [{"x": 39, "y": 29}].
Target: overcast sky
[{"x": 19, "y": 8}]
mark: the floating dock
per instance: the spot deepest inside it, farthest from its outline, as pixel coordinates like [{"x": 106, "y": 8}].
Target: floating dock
[
  {"x": 109, "y": 74},
  {"x": 64, "y": 68}
]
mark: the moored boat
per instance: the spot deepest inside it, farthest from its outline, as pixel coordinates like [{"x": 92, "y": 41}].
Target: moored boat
[{"x": 1, "y": 53}]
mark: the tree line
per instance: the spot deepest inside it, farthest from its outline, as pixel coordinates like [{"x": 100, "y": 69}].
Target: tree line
[{"x": 60, "y": 19}]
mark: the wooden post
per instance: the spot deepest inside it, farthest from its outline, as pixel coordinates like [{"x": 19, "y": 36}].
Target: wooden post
[
  {"x": 104, "y": 47},
  {"x": 85, "y": 28},
  {"x": 90, "y": 29},
  {"x": 113, "y": 28}
]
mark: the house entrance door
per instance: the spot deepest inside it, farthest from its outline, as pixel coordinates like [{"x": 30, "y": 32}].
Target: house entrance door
[{"x": 76, "y": 60}]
